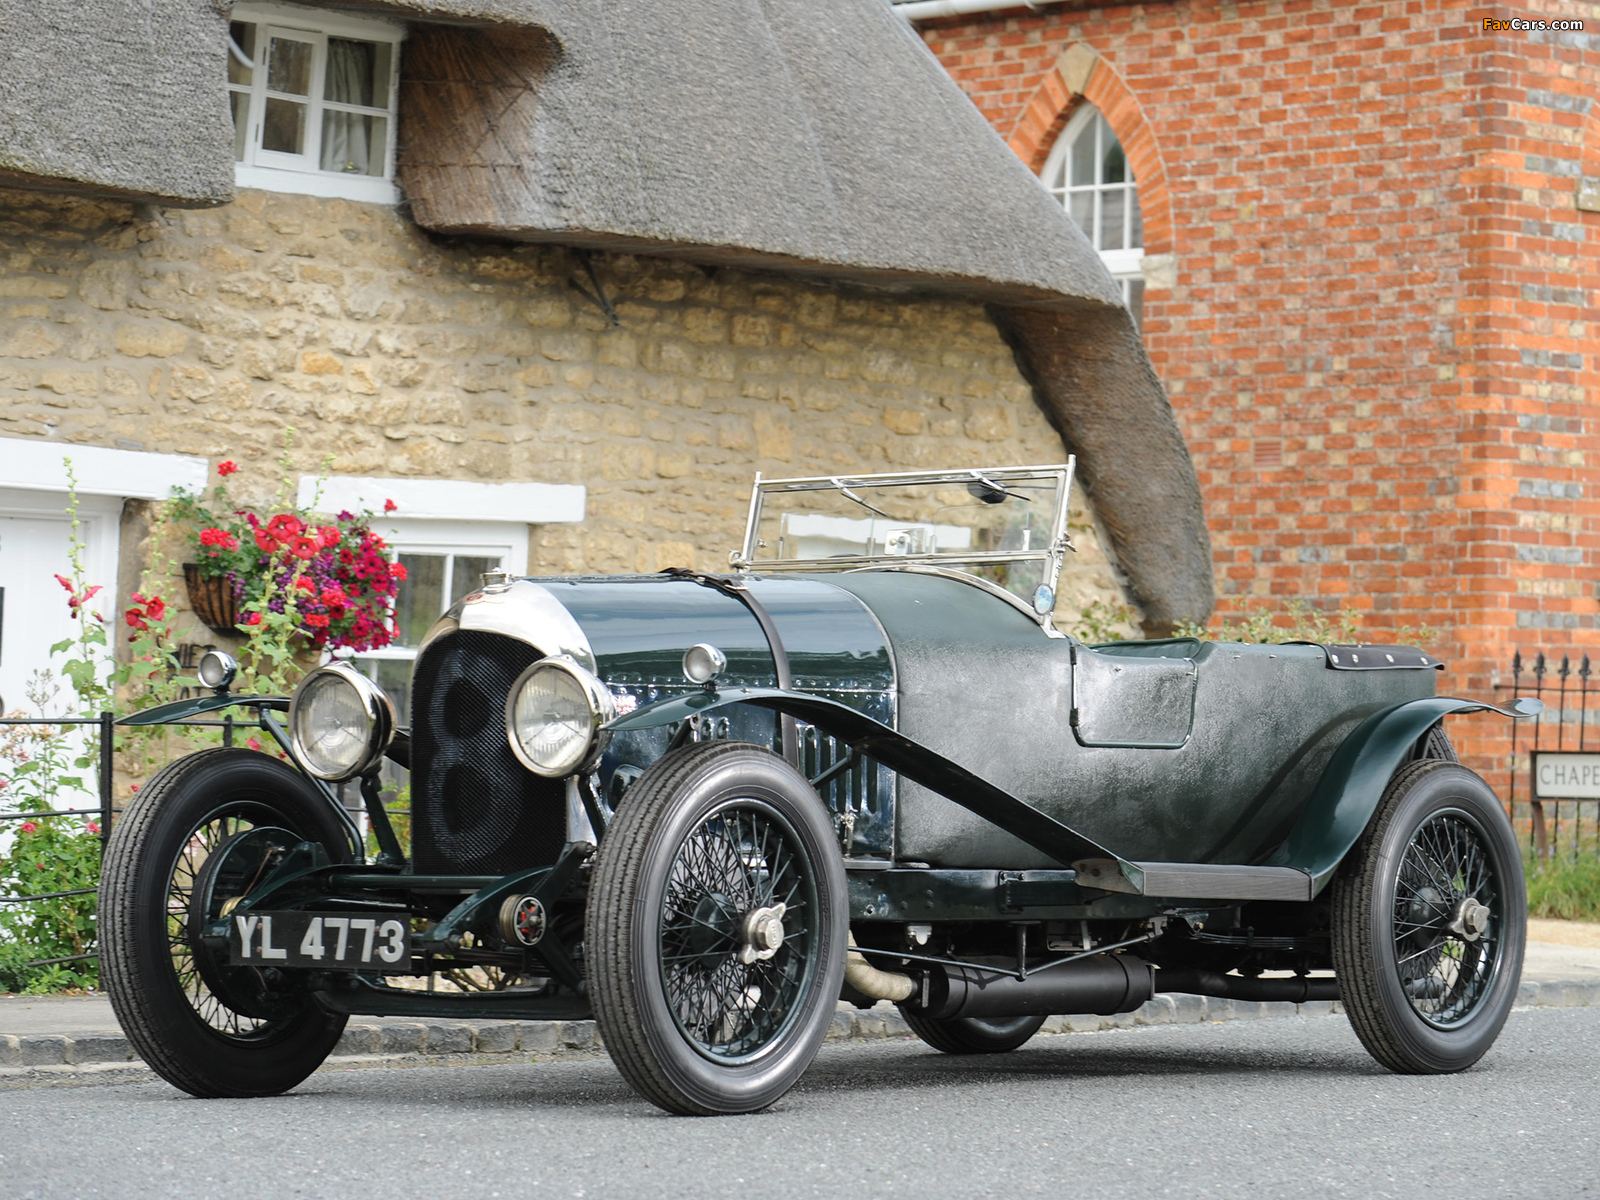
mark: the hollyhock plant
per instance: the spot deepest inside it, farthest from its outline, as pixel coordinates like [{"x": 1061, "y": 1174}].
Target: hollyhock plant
[{"x": 331, "y": 576}]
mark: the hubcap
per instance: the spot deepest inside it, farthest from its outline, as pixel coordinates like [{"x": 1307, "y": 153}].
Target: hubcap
[{"x": 763, "y": 934}]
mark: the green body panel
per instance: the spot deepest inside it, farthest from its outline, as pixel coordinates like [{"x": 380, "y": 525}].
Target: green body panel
[
  {"x": 639, "y": 626},
  {"x": 1352, "y": 786},
  {"x": 177, "y": 710},
  {"x": 983, "y": 685}
]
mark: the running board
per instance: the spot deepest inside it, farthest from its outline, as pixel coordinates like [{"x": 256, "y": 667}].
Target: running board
[{"x": 1194, "y": 881}]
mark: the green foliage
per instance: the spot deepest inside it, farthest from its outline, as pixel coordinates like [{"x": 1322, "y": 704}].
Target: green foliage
[
  {"x": 1298, "y": 621},
  {"x": 1564, "y": 888},
  {"x": 47, "y": 854},
  {"x": 1102, "y": 622}
]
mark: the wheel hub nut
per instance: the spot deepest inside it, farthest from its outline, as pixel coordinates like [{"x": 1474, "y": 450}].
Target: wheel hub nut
[
  {"x": 1471, "y": 920},
  {"x": 763, "y": 933}
]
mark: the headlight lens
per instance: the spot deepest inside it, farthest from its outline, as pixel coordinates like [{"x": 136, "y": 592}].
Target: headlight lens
[
  {"x": 554, "y": 715},
  {"x": 341, "y": 722}
]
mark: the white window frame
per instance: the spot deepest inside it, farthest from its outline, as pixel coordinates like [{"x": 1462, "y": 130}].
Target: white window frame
[
  {"x": 1126, "y": 264},
  {"x": 299, "y": 173}
]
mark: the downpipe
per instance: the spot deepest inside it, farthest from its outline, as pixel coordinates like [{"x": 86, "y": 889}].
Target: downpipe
[{"x": 1238, "y": 987}]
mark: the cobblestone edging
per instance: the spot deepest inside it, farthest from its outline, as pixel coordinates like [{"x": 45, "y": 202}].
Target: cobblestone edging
[{"x": 92, "y": 1053}]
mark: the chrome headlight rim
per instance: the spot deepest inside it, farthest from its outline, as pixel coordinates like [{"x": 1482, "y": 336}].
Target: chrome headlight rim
[
  {"x": 602, "y": 709},
  {"x": 381, "y": 720}
]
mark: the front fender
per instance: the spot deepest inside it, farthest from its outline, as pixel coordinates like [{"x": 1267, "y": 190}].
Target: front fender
[
  {"x": 1353, "y": 784},
  {"x": 895, "y": 751}
]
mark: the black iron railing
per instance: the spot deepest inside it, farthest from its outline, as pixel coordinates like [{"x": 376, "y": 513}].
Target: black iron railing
[
  {"x": 106, "y": 813},
  {"x": 1548, "y": 757}
]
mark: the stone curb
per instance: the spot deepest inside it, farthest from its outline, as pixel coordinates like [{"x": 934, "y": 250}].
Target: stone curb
[{"x": 99, "y": 1052}]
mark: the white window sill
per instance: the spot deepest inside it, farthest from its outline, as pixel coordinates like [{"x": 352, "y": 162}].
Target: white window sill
[{"x": 329, "y": 184}]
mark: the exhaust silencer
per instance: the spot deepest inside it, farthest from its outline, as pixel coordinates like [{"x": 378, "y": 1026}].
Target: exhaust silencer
[{"x": 1111, "y": 983}]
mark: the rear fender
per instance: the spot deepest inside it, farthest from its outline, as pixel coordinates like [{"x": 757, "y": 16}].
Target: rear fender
[
  {"x": 895, "y": 751},
  {"x": 1353, "y": 784}
]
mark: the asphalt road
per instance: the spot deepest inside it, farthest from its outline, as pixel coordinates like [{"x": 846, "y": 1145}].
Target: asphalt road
[{"x": 1249, "y": 1108}]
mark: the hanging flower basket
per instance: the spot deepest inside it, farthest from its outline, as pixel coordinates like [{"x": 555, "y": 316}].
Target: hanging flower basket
[{"x": 213, "y": 601}]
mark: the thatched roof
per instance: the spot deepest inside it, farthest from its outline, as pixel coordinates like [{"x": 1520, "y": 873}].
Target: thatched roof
[
  {"x": 818, "y": 136},
  {"x": 116, "y": 97}
]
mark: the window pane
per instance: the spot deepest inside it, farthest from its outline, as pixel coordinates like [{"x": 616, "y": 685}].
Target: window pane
[
  {"x": 1116, "y": 167},
  {"x": 244, "y": 36},
  {"x": 284, "y": 128},
  {"x": 240, "y": 102},
  {"x": 353, "y": 143},
  {"x": 421, "y": 598},
  {"x": 393, "y": 675},
  {"x": 350, "y": 72},
  {"x": 469, "y": 574},
  {"x": 1082, "y": 172},
  {"x": 289, "y": 68},
  {"x": 1082, "y": 209},
  {"x": 1112, "y": 203},
  {"x": 1135, "y": 221}
]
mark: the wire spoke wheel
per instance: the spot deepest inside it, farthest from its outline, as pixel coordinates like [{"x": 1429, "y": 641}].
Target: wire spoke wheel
[
  {"x": 197, "y": 834},
  {"x": 1429, "y": 921},
  {"x": 740, "y": 860},
  {"x": 1445, "y": 968},
  {"x": 716, "y": 926}
]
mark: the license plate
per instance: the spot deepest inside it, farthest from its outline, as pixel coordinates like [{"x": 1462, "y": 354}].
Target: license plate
[{"x": 341, "y": 941}]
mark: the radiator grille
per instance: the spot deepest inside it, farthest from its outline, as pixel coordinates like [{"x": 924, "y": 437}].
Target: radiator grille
[{"x": 475, "y": 808}]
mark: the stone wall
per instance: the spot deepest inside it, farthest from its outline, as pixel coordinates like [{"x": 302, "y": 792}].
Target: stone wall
[{"x": 393, "y": 353}]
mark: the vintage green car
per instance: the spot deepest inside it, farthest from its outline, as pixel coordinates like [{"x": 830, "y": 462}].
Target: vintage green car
[{"x": 862, "y": 764}]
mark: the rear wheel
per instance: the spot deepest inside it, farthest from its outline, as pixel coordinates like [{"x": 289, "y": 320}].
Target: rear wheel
[
  {"x": 716, "y": 930},
  {"x": 1430, "y": 920},
  {"x": 972, "y": 1035},
  {"x": 201, "y": 831}
]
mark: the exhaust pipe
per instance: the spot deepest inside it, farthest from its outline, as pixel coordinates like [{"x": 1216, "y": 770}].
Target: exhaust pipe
[
  {"x": 1111, "y": 983},
  {"x": 1238, "y": 987}
]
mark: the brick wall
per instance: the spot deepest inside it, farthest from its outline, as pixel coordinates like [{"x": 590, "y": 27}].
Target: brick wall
[
  {"x": 397, "y": 354},
  {"x": 1372, "y": 296}
]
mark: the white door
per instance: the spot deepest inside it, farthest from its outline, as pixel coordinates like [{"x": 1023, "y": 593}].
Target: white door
[{"x": 33, "y": 606}]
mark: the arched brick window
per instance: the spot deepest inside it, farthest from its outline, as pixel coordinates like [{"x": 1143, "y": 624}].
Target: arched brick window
[{"x": 1089, "y": 173}]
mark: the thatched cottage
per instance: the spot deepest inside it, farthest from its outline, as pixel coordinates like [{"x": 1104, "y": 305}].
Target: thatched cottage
[{"x": 557, "y": 276}]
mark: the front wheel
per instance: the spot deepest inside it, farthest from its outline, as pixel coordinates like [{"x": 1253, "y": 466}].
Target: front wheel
[
  {"x": 1430, "y": 920},
  {"x": 716, "y": 930},
  {"x": 199, "y": 833}
]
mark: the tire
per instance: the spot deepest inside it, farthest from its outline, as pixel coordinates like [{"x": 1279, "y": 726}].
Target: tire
[
  {"x": 1425, "y": 999},
  {"x": 159, "y": 977},
  {"x": 1435, "y": 743},
  {"x": 972, "y": 1035},
  {"x": 708, "y": 837}
]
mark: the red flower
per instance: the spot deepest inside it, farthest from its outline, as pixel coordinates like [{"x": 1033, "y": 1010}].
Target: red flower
[
  {"x": 285, "y": 526},
  {"x": 133, "y": 787},
  {"x": 28, "y": 827},
  {"x": 389, "y": 506},
  {"x": 304, "y": 584},
  {"x": 155, "y": 608},
  {"x": 253, "y": 619},
  {"x": 75, "y": 601},
  {"x": 397, "y": 572},
  {"x": 328, "y": 535},
  {"x": 253, "y": 743},
  {"x": 64, "y": 582},
  {"x": 268, "y": 544},
  {"x": 227, "y": 468},
  {"x": 218, "y": 537},
  {"x": 334, "y": 598},
  {"x": 304, "y": 547},
  {"x": 135, "y": 618},
  {"x": 317, "y": 620},
  {"x": 93, "y": 827}
]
